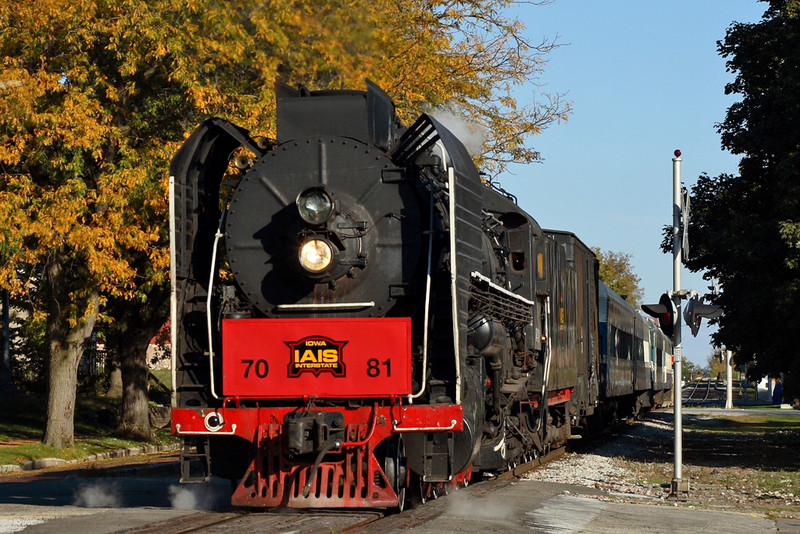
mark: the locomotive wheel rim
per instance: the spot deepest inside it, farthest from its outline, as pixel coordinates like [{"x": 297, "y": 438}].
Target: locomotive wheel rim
[
  {"x": 396, "y": 470},
  {"x": 426, "y": 491}
]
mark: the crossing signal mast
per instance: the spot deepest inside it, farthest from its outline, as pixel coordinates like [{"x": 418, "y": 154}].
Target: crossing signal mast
[
  {"x": 680, "y": 487},
  {"x": 668, "y": 309},
  {"x": 668, "y": 312}
]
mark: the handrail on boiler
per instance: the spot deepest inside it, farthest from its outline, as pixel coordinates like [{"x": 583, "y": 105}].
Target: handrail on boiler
[
  {"x": 211, "y": 274},
  {"x": 426, "y": 321}
]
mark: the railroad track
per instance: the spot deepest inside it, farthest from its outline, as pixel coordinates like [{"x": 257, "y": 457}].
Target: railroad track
[
  {"x": 521, "y": 469},
  {"x": 703, "y": 391},
  {"x": 278, "y": 520},
  {"x": 322, "y": 521}
]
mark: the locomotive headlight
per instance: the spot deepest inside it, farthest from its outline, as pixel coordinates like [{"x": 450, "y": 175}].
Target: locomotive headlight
[
  {"x": 315, "y": 205},
  {"x": 316, "y": 255}
]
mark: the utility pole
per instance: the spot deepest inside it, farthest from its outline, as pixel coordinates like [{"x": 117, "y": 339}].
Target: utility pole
[
  {"x": 729, "y": 381},
  {"x": 680, "y": 486}
]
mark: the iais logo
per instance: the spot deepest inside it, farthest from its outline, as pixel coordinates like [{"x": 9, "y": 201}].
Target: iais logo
[{"x": 315, "y": 354}]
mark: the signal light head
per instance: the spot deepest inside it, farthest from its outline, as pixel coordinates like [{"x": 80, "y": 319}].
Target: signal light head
[{"x": 666, "y": 312}]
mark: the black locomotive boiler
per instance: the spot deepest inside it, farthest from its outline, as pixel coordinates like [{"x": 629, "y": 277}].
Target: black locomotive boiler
[{"x": 357, "y": 314}]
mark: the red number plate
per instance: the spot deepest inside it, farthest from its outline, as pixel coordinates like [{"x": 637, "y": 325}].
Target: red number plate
[{"x": 342, "y": 357}]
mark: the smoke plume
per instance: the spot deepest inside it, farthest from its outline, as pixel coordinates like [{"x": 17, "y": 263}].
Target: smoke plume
[{"x": 471, "y": 135}]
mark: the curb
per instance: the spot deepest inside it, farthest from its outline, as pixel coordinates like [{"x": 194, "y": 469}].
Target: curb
[{"x": 42, "y": 463}]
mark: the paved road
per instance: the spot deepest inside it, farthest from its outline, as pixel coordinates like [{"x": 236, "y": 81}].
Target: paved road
[
  {"x": 542, "y": 507},
  {"x": 710, "y": 411},
  {"x": 95, "y": 501},
  {"x": 71, "y": 503}
]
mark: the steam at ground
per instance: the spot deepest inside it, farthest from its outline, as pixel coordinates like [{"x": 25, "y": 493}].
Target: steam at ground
[
  {"x": 109, "y": 494},
  {"x": 194, "y": 497},
  {"x": 101, "y": 494},
  {"x": 461, "y": 505}
]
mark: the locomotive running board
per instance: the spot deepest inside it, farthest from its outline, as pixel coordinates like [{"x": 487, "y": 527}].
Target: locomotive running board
[
  {"x": 478, "y": 278},
  {"x": 334, "y": 306}
]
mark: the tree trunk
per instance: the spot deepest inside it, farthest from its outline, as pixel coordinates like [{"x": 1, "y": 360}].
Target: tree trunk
[
  {"x": 59, "y": 430},
  {"x": 5, "y": 371},
  {"x": 114, "y": 376},
  {"x": 66, "y": 342},
  {"x": 135, "y": 374},
  {"x": 64, "y": 357}
]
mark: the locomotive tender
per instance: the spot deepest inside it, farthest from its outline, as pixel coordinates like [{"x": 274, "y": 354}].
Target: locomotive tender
[{"x": 356, "y": 314}]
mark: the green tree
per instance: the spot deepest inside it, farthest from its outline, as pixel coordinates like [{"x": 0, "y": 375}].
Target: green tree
[
  {"x": 97, "y": 95},
  {"x": 745, "y": 229},
  {"x": 690, "y": 370},
  {"x": 617, "y": 273}
]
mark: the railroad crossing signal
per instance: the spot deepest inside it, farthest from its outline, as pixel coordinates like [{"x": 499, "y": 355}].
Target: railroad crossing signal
[{"x": 666, "y": 312}]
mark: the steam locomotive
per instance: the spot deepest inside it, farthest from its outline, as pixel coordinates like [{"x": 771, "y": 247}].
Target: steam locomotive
[{"x": 357, "y": 315}]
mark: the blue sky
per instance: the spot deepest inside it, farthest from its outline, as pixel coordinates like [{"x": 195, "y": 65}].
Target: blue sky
[{"x": 645, "y": 79}]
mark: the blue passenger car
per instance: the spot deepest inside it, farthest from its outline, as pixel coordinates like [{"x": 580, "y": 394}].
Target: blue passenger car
[{"x": 635, "y": 357}]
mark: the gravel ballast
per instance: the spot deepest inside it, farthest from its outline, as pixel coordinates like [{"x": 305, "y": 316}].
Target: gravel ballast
[{"x": 748, "y": 472}]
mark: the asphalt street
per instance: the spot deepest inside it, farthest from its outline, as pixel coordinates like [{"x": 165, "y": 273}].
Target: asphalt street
[{"x": 73, "y": 503}]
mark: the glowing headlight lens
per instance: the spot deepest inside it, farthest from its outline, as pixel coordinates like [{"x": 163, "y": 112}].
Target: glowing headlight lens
[
  {"x": 315, "y": 205},
  {"x": 316, "y": 255}
]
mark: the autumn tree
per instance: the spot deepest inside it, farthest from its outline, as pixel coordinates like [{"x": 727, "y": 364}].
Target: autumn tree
[
  {"x": 135, "y": 324},
  {"x": 473, "y": 58},
  {"x": 716, "y": 366},
  {"x": 80, "y": 194},
  {"x": 745, "y": 228},
  {"x": 96, "y": 96},
  {"x": 617, "y": 273}
]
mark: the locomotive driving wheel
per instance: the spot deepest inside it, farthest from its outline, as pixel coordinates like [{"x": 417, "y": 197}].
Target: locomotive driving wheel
[{"x": 394, "y": 465}]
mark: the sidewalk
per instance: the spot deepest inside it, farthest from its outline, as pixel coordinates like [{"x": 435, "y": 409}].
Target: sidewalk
[{"x": 42, "y": 463}]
